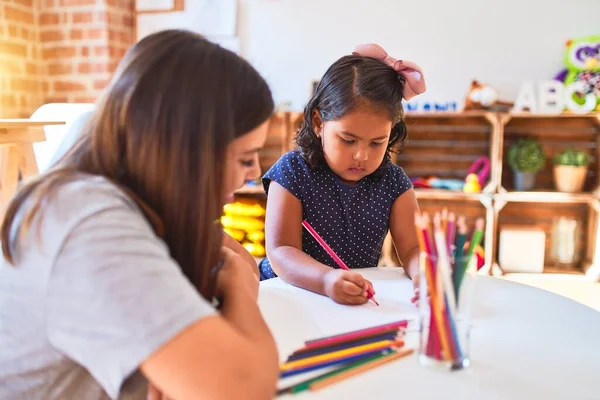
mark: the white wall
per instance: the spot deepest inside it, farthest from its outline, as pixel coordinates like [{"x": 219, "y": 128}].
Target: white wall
[{"x": 500, "y": 42}]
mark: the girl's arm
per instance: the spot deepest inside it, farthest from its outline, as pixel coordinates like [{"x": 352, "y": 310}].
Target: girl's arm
[
  {"x": 404, "y": 236},
  {"x": 283, "y": 229}
]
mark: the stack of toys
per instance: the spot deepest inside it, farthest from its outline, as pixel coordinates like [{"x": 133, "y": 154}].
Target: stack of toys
[{"x": 244, "y": 220}]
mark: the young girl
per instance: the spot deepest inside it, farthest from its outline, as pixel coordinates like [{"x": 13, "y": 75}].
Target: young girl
[
  {"x": 114, "y": 255},
  {"x": 342, "y": 179}
]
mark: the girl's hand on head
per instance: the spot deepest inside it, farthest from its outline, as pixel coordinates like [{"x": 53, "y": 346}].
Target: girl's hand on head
[
  {"x": 235, "y": 274},
  {"x": 346, "y": 287}
]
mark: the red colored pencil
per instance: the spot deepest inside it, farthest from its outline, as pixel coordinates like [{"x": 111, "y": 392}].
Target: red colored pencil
[
  {"x": 342, "y": 337},
  {"x": 329, "y": 251}
]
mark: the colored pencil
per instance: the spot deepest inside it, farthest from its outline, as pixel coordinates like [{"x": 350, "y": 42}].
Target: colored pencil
[
  {"x": 352, "y": 335},
  {"x": 395, "y": 334},
  {"x": 350, "y": 372},
  {"x": 331, "y": 253},
  {"x": 443, "y": 261},
  {"x": 475, "y": 241},
  {"x": 343, "y": 361},
  {"x": 435, "y": 303},
  {"x": 461, "y": 239},
  {"x": 444, "y": 219},
  {"x": 326, "y": 345},
  {"x": 384, "y": 344},
  {"x": 433, "y": 345},
  {"x": 451, "y": 232},
  {"x": 304, "y": 385}
]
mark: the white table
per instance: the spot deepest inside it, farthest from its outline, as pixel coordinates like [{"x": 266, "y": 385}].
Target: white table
[{"x": 526, "y": 343}]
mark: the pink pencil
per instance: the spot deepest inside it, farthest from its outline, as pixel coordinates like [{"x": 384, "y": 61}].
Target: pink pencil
[{"x": 329, "y": 251}]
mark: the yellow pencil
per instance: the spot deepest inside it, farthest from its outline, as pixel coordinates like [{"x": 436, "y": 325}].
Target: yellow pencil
[
  {"x": 381, "y": 345},
  {"x": 359, "y": 369}
]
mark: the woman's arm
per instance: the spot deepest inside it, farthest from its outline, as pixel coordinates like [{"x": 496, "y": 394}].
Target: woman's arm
[
  {"x": 283, "y": 228},
  {"x": 228, "y": 357}
]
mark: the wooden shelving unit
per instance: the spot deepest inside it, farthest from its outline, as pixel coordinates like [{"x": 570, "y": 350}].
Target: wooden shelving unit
[{"x": 445, "y": 144}]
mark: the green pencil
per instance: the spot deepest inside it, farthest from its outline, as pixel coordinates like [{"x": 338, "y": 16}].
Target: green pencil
[
  {"x": 475, "y": 241},
  {"x": 305, "y": 385}
]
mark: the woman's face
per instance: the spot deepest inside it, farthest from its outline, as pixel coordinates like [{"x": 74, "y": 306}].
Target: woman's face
[{"x": 242, "y": 160}]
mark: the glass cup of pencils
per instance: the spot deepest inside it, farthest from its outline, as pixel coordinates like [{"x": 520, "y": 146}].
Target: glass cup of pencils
[{"x": 447, "y": 275}]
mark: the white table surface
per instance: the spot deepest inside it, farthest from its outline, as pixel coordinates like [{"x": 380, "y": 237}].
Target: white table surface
[{"x": 526, "y": 343}]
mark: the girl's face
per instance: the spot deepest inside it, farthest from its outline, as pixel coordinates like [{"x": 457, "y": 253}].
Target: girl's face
[
  {"x": 242, "y": 160},
  {"x": 354, "y": 145}
]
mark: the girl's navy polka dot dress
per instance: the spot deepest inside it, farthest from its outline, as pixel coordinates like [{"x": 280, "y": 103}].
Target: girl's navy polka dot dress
[{"x": 353, "y": 220}]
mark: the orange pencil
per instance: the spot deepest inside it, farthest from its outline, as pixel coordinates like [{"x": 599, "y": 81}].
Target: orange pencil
[
  {"x": 435, "y": 304},
  {"x": 359, "y": 369}
]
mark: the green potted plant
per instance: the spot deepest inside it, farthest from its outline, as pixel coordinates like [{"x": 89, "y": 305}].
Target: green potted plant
[
  {"x": 526, "y": 158},
  {"x": 570, "y": 170}
]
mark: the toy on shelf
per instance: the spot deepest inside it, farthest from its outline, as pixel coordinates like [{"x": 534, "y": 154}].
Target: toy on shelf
[
  {"x": 477, "y": 175},
  {"x": 434, "y": 182},
  {"x": 582, "y": 60},
  {"x": 244, "y": 221},
  {"x": 484, "y": 97},
  {"x": 476, "y": 178},
  {"x": 472, "y": 184}
]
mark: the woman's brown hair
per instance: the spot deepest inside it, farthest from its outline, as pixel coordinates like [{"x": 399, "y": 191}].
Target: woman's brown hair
[{"x": 160, "y": 131}]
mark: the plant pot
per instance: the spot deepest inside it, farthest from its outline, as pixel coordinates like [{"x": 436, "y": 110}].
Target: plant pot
[
  {"x": 524, "y": 180},
  {"x": 568, "y": 178}
]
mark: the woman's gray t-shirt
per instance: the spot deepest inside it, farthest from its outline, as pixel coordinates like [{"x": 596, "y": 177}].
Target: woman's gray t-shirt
[{"x": 94, "y": 293}]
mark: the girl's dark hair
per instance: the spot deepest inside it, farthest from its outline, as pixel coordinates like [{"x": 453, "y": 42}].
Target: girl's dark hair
[
  {"x": 349, "y": 83},
  {"x": 160, "y": 131}
]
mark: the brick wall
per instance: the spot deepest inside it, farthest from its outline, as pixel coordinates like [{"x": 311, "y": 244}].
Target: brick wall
[
  {"x": 82, "y": 42},
  {"x": 59, "y": 50},
  {"x": 21, "y": 86}
]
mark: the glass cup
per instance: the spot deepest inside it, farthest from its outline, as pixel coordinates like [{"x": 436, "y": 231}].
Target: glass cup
[{"x": 445, "y": 304}]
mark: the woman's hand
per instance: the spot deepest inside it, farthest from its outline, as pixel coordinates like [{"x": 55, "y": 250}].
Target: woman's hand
[{"x": 235, "y": 274}]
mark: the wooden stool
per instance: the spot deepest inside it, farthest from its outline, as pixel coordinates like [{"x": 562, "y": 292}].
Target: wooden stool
[{"x": 17, "y": 159}]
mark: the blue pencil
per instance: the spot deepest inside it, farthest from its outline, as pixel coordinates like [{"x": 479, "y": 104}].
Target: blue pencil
[
  {"x": 326, "y": 364},
  {"x": 325, "y": 350}
]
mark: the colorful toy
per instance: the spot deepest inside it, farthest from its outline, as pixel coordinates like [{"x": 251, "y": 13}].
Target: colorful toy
[
  {"x": 484, "y": 97},
  {"x": 433, "y": 182},
  {"x": 582, "y": 59},
  {"x": 472, "y": 184},
  {"x": 482, "y": 164}
]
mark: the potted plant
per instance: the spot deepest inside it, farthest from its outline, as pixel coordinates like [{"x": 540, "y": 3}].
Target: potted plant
[
  {"x": 570, "y": 170},
  {"x": 526, "y": 158}
]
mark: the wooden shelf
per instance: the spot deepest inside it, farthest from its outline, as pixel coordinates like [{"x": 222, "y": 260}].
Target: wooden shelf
[
  {"x": 593, "y": 115},
  {"x": 546, "y": 197},
  {"x": 556, "y": 270},
  {"x": 442, "y": 194},
  {"x": 448, "y": 114},
  {"x": 25, "y": 123},
  {"x": 445, "y": 144}
]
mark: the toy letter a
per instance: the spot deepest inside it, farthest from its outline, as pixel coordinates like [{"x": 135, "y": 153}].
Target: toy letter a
[{"x": 526, "y": 98}]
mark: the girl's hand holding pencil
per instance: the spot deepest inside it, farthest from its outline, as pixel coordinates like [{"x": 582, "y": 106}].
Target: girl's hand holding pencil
[
  {"x": 347, "y": 287},
  {"x": 339, "y": 285}
]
